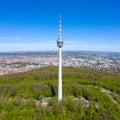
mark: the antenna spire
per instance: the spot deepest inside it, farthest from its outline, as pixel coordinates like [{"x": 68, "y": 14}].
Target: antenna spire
[{"x": 60, "y": 28}]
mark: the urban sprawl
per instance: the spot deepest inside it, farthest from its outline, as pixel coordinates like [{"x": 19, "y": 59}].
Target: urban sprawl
[{"x": 25, "y": 61}]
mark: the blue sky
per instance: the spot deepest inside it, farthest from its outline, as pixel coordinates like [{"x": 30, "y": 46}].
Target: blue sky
[{"x": 32, "y": 25}]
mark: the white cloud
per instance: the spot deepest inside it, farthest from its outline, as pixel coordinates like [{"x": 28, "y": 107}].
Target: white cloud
[
  {"x": 10, "y": 38},
  {"x": 91, "y": 46},
  {"x": 52, "y": 45},
  {"x": 6, "y": 47}
]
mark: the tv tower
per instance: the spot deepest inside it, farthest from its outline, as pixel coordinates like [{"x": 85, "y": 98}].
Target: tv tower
[{"x": 60, "y": 44}]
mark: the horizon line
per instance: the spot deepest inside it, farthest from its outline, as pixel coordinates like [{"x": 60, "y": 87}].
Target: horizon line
[{"x": 57, "y": 51}]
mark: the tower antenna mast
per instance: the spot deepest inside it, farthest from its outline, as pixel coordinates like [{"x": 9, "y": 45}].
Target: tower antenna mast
[{"x": 60, "y": 44}]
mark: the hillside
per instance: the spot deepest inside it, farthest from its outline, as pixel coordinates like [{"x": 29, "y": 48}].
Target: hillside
[{"x": 87, "y": 95}]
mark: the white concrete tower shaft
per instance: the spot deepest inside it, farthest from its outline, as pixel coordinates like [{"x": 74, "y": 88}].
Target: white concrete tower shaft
[
  {"x": 60, "y": 44},
  {"x": 60, "y": 76}
]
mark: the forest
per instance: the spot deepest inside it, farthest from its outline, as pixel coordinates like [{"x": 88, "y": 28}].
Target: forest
[{"x": 88, "y": 94}]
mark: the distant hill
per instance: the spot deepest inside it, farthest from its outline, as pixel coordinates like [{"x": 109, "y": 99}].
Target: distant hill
[{"x": 88, "y": 94}]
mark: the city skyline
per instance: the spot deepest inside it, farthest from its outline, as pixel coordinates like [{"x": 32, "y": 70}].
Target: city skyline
[{"x": 33, "y": 25}]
